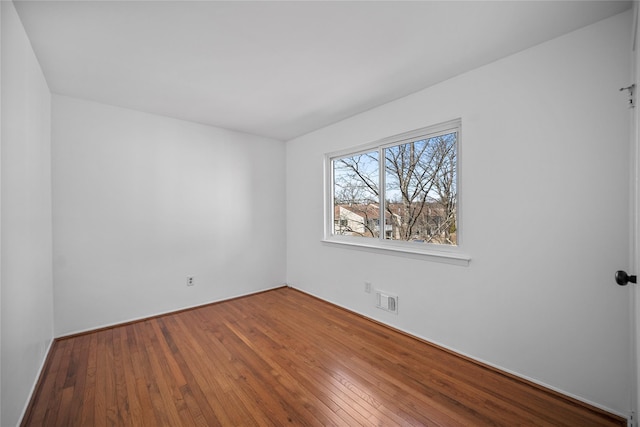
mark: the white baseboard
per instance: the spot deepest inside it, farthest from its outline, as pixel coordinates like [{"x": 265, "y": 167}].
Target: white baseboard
[{"x": 162, "y": 313}]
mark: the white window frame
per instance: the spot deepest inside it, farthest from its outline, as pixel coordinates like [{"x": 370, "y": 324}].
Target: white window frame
[{"x": 453, "y": 254}]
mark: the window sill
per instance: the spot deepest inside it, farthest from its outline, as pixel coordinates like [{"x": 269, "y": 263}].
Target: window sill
[{"x": 448, "y": 257}]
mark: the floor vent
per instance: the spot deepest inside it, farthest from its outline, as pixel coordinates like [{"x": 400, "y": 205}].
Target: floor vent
[{"x": 387, "y": 302}]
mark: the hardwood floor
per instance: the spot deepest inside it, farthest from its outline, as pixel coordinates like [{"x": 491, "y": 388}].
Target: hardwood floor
[{"x": 276, "y": 358}]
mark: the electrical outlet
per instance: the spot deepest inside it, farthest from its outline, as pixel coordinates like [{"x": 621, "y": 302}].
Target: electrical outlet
[
  {"x": 190, "y": 281},
  {"x": 367, "y": 287}
]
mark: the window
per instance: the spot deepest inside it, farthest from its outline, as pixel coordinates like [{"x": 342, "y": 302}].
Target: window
[
  {"x": 401, "y": 192},
  {"x": 355, "y": 194}
]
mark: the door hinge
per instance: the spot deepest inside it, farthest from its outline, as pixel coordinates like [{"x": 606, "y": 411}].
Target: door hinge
[{"x": 632, "y": 94}]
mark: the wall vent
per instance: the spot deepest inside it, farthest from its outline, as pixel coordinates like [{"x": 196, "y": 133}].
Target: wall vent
[{"x": 387, "y": 302}]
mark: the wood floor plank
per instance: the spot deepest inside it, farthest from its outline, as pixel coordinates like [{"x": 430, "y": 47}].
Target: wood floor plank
[
  {"x": 148, "y": 380},
  {"x": 321, "y": 365},
  {"x": 263, "y": 382},
  {"x": 341, "y": 350},
  {"x": 60, "y": 378},
  {"x": 291, "y": 380},
  {"x": 88, "y": 393},
  {"x": 314, "y": 381},
  {"x": 168, "y": 396},
  {"x": 204, "y": 371},
  {"x": 282, "y": 358},
  {"x": 133, "y": 402}
]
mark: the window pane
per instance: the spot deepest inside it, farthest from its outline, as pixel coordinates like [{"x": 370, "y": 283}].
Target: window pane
[
  {"x": 420, "y": 190},
  {"x": 356, "y": 202}
]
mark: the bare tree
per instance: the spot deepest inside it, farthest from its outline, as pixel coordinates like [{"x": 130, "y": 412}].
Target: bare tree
[
  {"x": 356, "y": 177},
  {"x": 424, "y": 173},
  {"x": 420, "y": 187},
  {"x": 356, "y": 188},
  {"x": 445, "y": 188}
]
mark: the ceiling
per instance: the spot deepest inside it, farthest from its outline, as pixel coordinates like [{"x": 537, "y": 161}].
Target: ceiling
[{"x": 279, "y": 69}]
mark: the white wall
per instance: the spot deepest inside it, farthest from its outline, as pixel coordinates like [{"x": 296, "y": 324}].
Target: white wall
[
  {"x": 545, "y": 215},
  {"x": 26, "y": 278},
  {"x": 141, "y": 201},
  {"x": 1, "y": 212}
]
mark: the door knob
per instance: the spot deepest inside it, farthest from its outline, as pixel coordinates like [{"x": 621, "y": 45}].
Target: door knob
[{"x": 622, "y": 278}]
